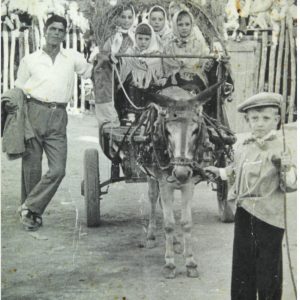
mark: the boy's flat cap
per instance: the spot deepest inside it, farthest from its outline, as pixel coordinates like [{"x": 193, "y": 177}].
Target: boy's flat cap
[{"x": 263, "y": 99}]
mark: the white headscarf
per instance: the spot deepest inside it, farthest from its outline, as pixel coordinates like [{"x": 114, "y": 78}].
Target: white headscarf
[
  {"x": 153, "y": 46},
  {"x": 195, "y": 34},
  {"x": 143, "y": 70},
  {"x": 179, "y": 7},
  {"x": 192, "y": 44},
  {"x": 175, "y": 27},
  {"x": 176, "y": 7},
  {"x": 166, "y": 31},
  {"x": 118, "y": 37}
]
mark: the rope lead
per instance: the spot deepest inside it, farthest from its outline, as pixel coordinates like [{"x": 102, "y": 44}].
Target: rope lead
[{"x": 285, "y": 216}]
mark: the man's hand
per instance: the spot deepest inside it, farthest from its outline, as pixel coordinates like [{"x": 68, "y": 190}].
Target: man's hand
[
  {"x": 10, "y": 107},
  {"x": 212, "y": 170},
  {"x": 223, "y": 59},
  {"x": 207, "y": 66}
]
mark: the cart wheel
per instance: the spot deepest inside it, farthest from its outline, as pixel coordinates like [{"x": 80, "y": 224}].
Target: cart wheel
[
  {"x": 91, "y": 187},
  {"x": 226, "y": 209}
]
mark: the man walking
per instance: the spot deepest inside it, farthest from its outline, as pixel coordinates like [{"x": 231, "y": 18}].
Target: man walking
[{"x": 47, "y": 79}]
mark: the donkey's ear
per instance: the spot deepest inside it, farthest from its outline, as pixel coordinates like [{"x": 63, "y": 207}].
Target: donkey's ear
[{"x": 206, "y": 94}]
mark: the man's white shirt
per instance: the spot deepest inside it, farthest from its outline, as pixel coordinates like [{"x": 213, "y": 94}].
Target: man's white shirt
[{"x": 46, "y": 81}]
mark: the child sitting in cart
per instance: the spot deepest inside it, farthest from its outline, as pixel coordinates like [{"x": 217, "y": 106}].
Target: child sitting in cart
[
  {"x": 159, "y": 21},
  {"x": 186, "y": 72},
  {"x": 175, "y": 7},
  {"x": 262, "y": 173},
  {"x": 143, "y": 71},
  {"x": 119, "y": 43},
  {"x": 140, "y": 73}
]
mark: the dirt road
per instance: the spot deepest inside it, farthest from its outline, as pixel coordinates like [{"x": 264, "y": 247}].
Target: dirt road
[{"x": 67, "y": 260}]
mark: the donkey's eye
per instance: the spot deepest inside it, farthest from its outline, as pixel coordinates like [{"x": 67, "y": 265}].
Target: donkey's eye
[{"x": 195, "y": 131}]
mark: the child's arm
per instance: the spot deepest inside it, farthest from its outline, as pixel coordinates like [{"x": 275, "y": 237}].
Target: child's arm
[
  {"x": 288, "y": 173},
  {"x": 227, "y": 173}
]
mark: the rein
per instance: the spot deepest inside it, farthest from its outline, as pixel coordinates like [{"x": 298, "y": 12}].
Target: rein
[
  {"x": 181, "y": 160},
  {"x": 209, "y": 120}
]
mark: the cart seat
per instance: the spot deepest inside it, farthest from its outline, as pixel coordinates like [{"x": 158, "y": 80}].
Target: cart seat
[{"x": 116, "y": 145}]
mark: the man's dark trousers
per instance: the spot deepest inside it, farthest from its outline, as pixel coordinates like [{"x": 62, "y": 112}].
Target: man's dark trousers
[
  {"x": 49, "y": 125},
  {"x": 257, "y": 259}
]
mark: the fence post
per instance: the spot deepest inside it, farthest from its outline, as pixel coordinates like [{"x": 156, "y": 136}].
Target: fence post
[
  {"x": 75, "y": 94},
  {"x": 285, "y": 75},
  {"x": 37, "y": 37},
  {"x": 293, "y": 69},
  {"x": 263, "y": 63},
  {"x": 21, "y": 46},
  {"x": 26, "y": 41},
  {"x": 12, "y": 59},
  {"x": 67, "y": 47},
  {"x": 82, "y": 103},
  {"x": 272, "y": 60},
  {"x": 5, "y": 58},
  {"x": 280, "y": 57}
]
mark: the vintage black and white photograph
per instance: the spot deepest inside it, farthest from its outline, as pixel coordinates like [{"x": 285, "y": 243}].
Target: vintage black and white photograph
[{"x": 149, "y": 149}]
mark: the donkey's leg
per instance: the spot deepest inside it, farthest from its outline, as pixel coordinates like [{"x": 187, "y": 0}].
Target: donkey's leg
[
  {"x": 167, "y": 195},
  {"x": 153, "y": 192},
  {"x": 178, "y": 249},
  {"x": 186, "y": 225}
]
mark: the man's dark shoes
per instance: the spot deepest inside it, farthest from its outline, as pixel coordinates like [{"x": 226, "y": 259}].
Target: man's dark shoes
[{"x": 30, "y": 220}]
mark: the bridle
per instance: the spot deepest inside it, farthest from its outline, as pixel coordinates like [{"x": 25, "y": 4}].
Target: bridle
[
  {"x": 164, "y": 109},
  {"x": 182, "y": 115}
]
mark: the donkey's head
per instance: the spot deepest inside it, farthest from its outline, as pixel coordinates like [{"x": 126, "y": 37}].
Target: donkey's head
[{"x": 182, "y": 129}]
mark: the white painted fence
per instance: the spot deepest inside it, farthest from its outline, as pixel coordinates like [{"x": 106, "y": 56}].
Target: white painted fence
[{"x": 17, "y": 44}]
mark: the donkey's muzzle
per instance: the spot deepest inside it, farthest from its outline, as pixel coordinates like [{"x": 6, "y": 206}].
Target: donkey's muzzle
[{"x": 182, "y": 173}]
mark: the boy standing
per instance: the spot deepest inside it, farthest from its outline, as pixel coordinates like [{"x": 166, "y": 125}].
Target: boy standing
[{"x": 262, "y": 175}]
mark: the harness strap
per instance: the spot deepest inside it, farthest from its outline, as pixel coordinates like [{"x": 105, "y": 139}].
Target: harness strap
[
  {"x": 123, "y": 140},
  {"x": 208, "y": 119},
  {"x": 142, "y": 118},
  {"x": 183, "y": 139},
  {"x": 124, "y": 91}
]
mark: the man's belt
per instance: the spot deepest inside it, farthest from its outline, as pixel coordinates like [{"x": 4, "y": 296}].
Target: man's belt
[{"x": 52, "y": 105}]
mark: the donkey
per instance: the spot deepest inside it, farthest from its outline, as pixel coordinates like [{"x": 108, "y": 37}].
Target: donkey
[{"x": 178, "y": 136}]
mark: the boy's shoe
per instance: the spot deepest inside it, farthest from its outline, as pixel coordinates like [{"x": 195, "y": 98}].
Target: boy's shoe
[{"x": 30, "y": 220}]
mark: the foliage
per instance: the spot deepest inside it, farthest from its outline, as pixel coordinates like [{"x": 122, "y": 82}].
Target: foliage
[{"x": 209, "y": 17}]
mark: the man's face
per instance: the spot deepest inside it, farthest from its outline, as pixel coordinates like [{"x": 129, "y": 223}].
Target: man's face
[
  {"x": 262, "y": 121},
  {"x": 157, "y": 20},
  {"x": 55, "y": 34},
  {"x": 126, "y": 19},
  {"x": 184, "y": 26},
  {"x": 142, "y": 41}
]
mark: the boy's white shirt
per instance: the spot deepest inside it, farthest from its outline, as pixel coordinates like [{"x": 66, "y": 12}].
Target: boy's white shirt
[{"x": 290, "y": 176}]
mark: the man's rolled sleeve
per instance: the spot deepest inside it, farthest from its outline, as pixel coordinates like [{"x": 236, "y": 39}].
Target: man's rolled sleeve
[
  {"x": 82, "y": 67},
  {"x": 23, "y": 74}
]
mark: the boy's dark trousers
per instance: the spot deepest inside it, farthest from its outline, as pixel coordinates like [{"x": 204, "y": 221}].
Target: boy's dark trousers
[{"x": 257, "y": 259}]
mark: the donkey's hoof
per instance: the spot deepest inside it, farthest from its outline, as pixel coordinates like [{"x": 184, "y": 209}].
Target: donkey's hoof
[
  {"x": 169, "y": 272},
  {"x": 192, "y": 272},
  {"x": 150, "y": 244}
]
